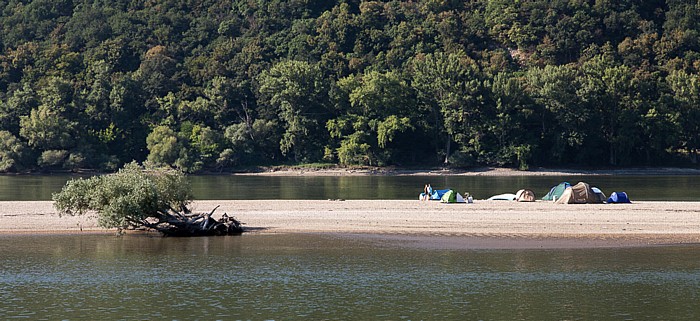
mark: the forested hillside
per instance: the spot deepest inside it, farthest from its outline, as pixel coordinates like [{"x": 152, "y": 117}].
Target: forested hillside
[{"x": 215, "y": 85}]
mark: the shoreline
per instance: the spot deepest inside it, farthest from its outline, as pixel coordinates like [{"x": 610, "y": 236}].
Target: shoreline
[
  {"x": 397, "y": 171},
  {"x": 484, "y": 224},
  {"x": 480, "y": 171}
]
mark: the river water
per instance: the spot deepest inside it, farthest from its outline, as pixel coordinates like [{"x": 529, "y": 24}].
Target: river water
[
  {"x": 649, "y": 188},
  {"x": 344, "y": 277},
  {"x": 335, "y": 277}
]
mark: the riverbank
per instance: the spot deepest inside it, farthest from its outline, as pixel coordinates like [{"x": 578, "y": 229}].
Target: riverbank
[
  {"x": 484, "y": 222},
  {"x": 480, "y": 171},
  {"x": 399, "y": 171}
]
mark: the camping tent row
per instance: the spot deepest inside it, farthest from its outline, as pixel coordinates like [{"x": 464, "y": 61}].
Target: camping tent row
[
  {"x": 450, "y": 196},
  {"x": 582, "y": 193},
  {"x": 563, "y": 193}
]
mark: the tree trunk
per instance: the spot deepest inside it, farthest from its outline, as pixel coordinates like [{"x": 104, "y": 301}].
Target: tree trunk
[
  {"x": 648, "y": 153},
  {"x": 174, "y": 223},
  {"x": 448, "y": 144},
  {"x": 612, "y": 160}
]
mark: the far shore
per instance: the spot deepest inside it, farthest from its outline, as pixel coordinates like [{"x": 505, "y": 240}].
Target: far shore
[
  {"x": 480, "y": 171},
  {"x": 399, "y": 171},
  {"x": 484, "y": 224}
]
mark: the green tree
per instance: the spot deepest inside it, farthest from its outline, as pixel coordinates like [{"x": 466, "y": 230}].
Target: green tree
[
  {"x": 562, "y": 118},
  {"x": 507, "y": 24},
  {"x": 611, "y": 93},
  {"x": 164, "y": 146},
  {"x": 686, "y": 94},
  {"x": 19, "y": 103},
  {"x": 45, "y": 128},
  {"x": 52, "y": 125},
  {"x": 254, "y": 144},
  {"x": 378, "y": 117},
  {"x": 450, "y": 87},
  {"x": 157, "y": 73},
  {"x": 52, "y": 158},
  {"x": 125, "y": 198},
  {"x": 299, "y": 94},
  {"x": 12, "y": 152},
  {"x": 513, "y": 124}
]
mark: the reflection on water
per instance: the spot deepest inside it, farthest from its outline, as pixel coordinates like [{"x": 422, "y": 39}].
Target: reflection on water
[
  {"x": 647, "y": 188},
  {"x": 270, "y": 277}
]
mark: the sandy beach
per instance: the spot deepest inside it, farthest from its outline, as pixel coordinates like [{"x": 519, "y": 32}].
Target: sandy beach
[{"x": 640, "y": 223}]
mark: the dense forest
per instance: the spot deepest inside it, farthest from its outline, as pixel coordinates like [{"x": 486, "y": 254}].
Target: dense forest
[{"x": 208, "y": 85}]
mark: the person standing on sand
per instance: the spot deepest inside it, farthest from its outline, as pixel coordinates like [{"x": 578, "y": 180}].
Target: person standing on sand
[{"x": 427, "y": 191}]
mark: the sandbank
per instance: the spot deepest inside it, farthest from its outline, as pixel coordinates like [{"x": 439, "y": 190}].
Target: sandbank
[{"x": 488, "y": 223}]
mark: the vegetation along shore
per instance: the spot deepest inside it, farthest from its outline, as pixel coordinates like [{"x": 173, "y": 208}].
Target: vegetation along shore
[{"x": 219, "y": 85}]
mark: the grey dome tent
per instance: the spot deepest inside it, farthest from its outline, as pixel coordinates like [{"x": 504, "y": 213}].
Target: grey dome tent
[
  {"x": 580, "y": 193},
  {"x": 525, "y": 195}
]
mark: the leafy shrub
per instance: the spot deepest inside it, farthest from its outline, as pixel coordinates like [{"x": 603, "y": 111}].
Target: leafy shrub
[
  {"x": 52, "y": 158},
  {"x": 125, "y": 198}
]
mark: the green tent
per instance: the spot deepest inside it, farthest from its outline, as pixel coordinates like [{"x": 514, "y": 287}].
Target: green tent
[
  {"x": 556, "y": 191},
  {"x": 450, "y": 196}
]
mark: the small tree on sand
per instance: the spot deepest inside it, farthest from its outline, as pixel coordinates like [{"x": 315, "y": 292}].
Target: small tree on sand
[{"x": 141, "y": 197}]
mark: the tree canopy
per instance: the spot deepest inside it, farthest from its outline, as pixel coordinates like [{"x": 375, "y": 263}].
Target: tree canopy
[
  {"x": 142, "y": 197},
  {"x": 127, "y": 197},
  {"x": 214, "y": 85}
]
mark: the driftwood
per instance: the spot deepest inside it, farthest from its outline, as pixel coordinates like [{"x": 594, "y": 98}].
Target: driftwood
[{"x": 185, "y": 223}]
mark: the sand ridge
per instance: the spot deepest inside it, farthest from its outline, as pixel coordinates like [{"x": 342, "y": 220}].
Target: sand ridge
[{"x": 640, "y": 222}]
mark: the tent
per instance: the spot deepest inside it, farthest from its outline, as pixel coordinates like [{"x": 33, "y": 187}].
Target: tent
[
  {"x": 438, "y": 193},
  {"x": 502, "y": 197},
  {"x": 580, "y": 193},
  {"x": 452, "y": 197},
  {"x": 525, "y": 195},
  {"x": 556, "y": 191},
  {"x": 599, "y": 194},
  {"x": 619, "y": 197}
]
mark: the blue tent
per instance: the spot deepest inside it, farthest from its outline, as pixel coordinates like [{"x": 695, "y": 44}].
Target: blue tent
[
  {"x": 437, "y": 194},
  {"x": 618, "y": 197}
]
